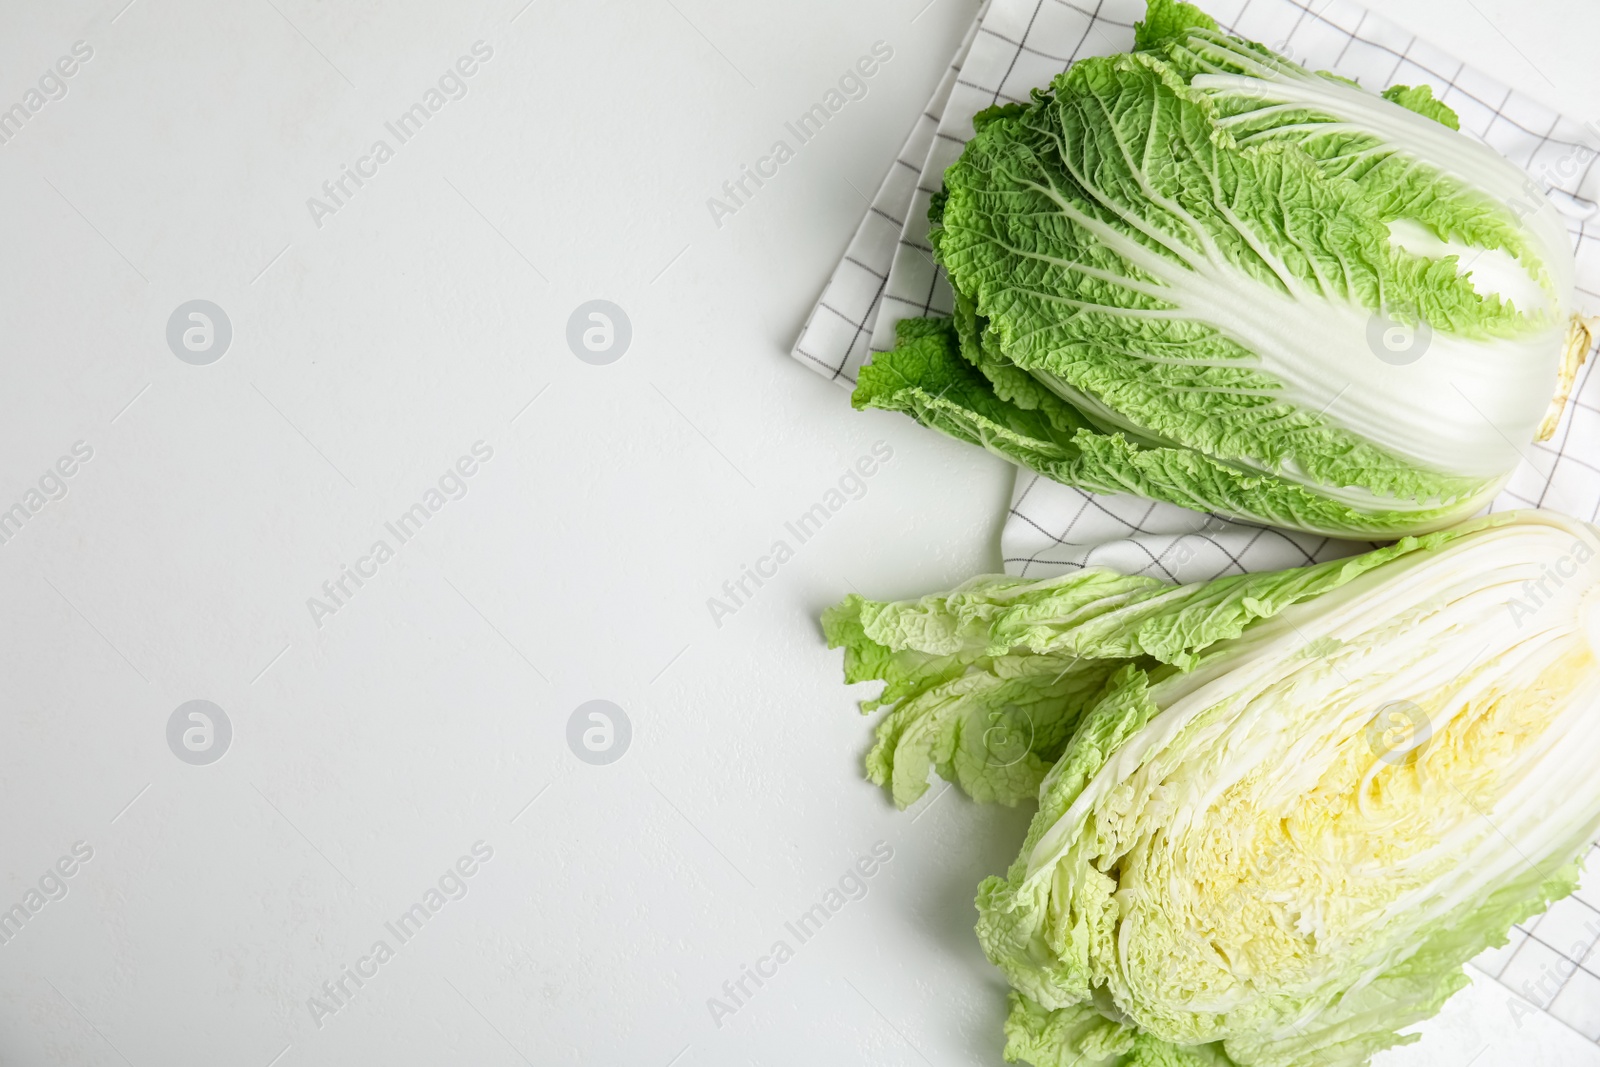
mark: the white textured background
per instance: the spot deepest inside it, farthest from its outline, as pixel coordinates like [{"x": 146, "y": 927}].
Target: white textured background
[{"x": 367, "y": 356}]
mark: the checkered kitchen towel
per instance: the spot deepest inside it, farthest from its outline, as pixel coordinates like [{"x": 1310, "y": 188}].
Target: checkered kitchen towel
[{"x": 888, "y": 273}]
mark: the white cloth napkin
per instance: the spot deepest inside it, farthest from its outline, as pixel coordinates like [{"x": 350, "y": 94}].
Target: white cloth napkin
[{"x": 888, "y": 274}]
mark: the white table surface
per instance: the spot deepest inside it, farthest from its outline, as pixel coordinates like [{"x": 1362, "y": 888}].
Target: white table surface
[{"x": 368, "y": 354}]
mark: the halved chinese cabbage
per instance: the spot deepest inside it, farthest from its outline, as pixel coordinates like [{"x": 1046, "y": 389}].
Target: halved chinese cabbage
[{"x": 1277, "y": 812}]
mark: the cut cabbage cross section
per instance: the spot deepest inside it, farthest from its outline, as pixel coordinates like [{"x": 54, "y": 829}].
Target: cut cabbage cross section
[{"x": 1277, "y": 812}]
